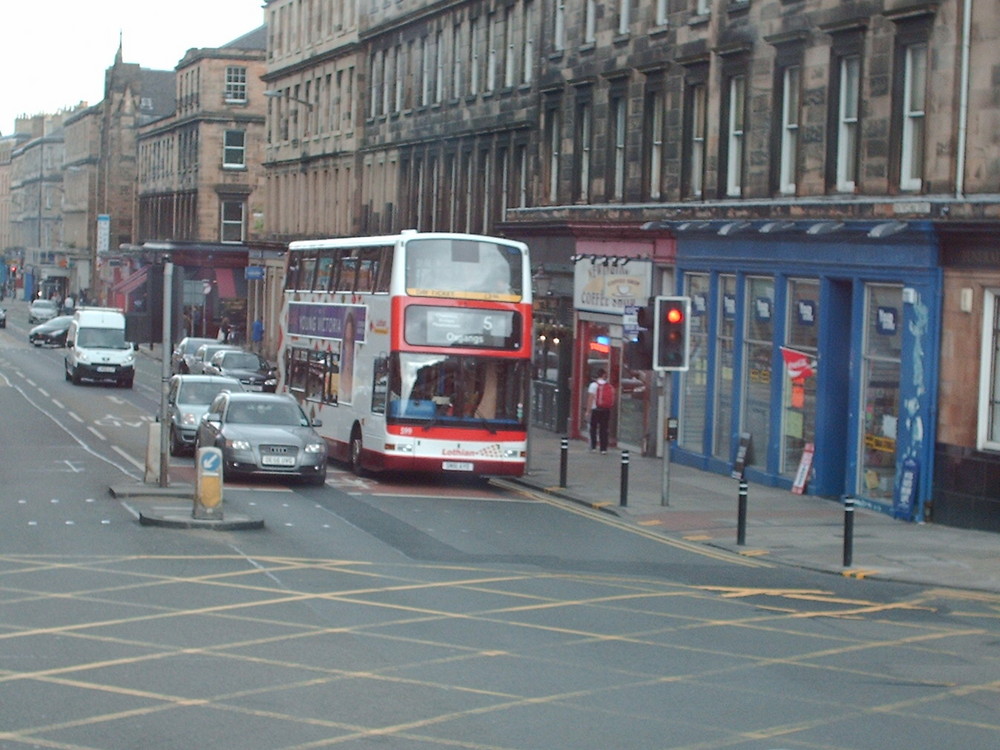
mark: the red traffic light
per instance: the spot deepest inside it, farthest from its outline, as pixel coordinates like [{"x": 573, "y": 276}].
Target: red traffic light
[{"x": 675, "y": 315}]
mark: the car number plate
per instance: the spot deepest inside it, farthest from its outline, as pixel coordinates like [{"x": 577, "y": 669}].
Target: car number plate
[
  {"x": 254, "y": 387},
  {"x": 105, "y": 369},
  {"x": 457, "y": 466},
  {"x": 277, "y": 460}
]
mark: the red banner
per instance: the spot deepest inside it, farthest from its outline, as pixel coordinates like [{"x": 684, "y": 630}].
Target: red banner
[{"x": 799, "y": 364}]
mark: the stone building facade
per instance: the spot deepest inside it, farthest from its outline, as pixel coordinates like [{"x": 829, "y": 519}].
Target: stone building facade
[{"x": 816, "y": 175}]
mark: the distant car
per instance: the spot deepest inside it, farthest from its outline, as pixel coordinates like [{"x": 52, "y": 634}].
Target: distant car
[
  {"x": 188, "y": 398},
  {"x": 204, "y": 353},
  {"x": 252, "y": 370},
  {"x": 263, "y": 434},
  {"x": 184, "y": 352},
  {"x": 51, "y": 332},
  {"x": 3, "y": 317},
  {"x": 41, "y": 310}
]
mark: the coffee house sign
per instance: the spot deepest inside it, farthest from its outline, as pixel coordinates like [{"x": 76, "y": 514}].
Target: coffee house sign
[{"x": 611, "y": 288}]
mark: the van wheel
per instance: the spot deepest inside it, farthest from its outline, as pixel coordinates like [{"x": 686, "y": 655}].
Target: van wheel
[
  {"x": 66, "y": 372},
  {"x": 125, "y": 383},
  {"x": 356, "y": 448},
  {"x": 75, "y": 377}
]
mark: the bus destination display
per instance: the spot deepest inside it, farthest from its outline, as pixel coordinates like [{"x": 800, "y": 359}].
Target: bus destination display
[{"x": 460, "y": 326}]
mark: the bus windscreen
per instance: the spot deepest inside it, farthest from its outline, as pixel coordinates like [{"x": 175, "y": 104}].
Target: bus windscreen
[{"x": 466, "y": 268}]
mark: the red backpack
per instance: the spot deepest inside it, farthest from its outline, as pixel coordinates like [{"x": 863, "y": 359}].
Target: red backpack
[{"x": 605, "y": 396}]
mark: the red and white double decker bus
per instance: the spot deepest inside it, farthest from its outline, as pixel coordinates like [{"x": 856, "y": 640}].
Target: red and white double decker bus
[{"x": 413, "y": 350}]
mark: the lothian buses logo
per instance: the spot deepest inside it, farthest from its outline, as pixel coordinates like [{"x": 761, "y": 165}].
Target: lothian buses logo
[{"x": 490, "y": 451}]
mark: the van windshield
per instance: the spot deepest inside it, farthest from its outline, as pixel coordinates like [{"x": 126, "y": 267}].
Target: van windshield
[{"x": 101, "y": 338}]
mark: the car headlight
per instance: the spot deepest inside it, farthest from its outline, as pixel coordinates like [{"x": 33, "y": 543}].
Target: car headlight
[
  {"x": 238, "y": 445},
  {"x": 315, "y": 447},
  {"x": 189, "y": 418},
  {"x": 130, "y": 358}
]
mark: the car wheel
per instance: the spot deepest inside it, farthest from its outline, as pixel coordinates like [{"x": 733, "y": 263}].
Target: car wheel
[
  {"x": 175, "y": 444},
  {"x": 318, "y": 479},
  {"x": 356, "y": 448}
]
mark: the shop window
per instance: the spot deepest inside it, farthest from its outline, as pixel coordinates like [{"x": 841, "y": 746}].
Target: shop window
[
  {"x": 800, "y": 354},
  {"x": 881, "y": 373},
  {"x": 758, "y": 350},
  {"x": 724, "y": 368},
  {"x": 695, "y": 381},
  {"x": 989, "y": 388}
]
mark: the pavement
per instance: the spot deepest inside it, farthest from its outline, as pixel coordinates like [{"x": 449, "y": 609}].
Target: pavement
[
  {"x": 780, "y": 526},
  {"x": 703, "y": 508}
]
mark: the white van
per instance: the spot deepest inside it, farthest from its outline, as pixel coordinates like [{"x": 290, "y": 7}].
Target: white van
[{"x": 96, "y": 348}]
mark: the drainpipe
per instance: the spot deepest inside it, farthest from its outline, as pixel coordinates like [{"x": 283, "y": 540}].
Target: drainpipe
[{"x": 963, "y": 104}]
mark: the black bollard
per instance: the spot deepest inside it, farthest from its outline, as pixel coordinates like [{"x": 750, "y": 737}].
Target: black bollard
[
  {"x": 624, "y": 492},
  {"x": 741, "y": 515},
  {"x": 848, "y": 531},
  {"x": 563, "y": 461}
]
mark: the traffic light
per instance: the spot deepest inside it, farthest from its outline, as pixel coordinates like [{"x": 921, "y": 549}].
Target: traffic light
[{"x": 673, "y": 325}]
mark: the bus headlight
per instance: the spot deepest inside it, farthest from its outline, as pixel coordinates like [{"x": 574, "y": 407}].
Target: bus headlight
[{"x": 512, "y": 453}]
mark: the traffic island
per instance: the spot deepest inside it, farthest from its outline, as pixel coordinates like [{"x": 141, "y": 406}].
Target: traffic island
[{"x": 190, "y": 507}]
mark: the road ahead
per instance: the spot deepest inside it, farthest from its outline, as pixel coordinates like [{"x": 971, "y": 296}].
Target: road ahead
[{"x": 410, "y": 613}]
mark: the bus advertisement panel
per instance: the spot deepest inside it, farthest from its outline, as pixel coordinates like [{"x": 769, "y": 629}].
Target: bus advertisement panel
[{"x": 413, "y": 349}]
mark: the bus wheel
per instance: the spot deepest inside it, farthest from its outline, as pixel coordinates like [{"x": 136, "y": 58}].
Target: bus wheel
[{"x": 356, "y": 466}]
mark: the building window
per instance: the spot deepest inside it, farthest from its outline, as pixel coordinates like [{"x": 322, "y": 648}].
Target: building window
[
  {"x": 232, "y": 221},
  {"x": 789, "y": 130},
  {"x": 848, "y": 110},
  {"x": 236, "y": 84},
  {"x": 694, "y": 382},
  {"x": 735, "y": 102},
  {"x": 527, "y": 69},
  {"x": 234, "y": 149},
  {"x": 695, "y": 127},
  {"x": 703, "y": 7},
  {"x": 584, "y": 143},
  {"x": 660, "y": 19},
  {"x": 624, "y": 15},
  {"x": 618, "y": 128},
  {"x": 988, "y": 428},
  {"x": 914, "y": 95},
  {"x": 559, "y": 26},
  {"x": 553, "y": 141},
  {"x": 589, "y": 21},
  {"x": 654, "y": 147}
]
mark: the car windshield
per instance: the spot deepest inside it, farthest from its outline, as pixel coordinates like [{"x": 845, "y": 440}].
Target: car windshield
[
  {"x": 101, "y": 338},
  {"x": 266, "y": 412},
  {"x": 43, "y": 304},
  {"x": 199, "y": 393},
  {"x": 241, "y": 361}
]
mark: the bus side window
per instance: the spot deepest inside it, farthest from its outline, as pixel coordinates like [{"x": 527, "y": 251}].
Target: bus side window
[
  {"x": 324, "y": 269},
  {"x": 307, "y": 267},
  {"x": 348, "y": 274},
  {"x": 384, "y": 276}
]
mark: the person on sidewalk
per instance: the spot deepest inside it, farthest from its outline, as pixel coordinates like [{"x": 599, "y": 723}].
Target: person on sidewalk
[{"x": 600, "y": 399}]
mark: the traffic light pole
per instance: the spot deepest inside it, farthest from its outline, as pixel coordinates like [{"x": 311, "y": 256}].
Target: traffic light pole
[{"x": 665, "y": 485}]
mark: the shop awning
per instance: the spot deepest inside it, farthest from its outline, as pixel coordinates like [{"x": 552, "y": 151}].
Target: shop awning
[
  {"x": 227, "y": 284},
  {"x": 131, "y": 283}
]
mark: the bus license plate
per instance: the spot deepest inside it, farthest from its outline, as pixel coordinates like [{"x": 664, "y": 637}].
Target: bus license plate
[
  {"x": 277, "y": 461},
  {"x": 457, "y": 466}
]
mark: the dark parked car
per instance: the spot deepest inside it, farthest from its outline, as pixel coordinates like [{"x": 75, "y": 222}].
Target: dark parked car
[
  {"x": 188, "y": 398},
  {"x": 52, "y": 332},
  {"x": 41, "y": 310},
  {"x": 263, "y": 434},
  {"x": 183, "y": 354},
  {"x": 252, "y": 370}
]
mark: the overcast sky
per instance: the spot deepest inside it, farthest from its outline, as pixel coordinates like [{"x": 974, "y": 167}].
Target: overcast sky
[{"x": 54, "y": 52}]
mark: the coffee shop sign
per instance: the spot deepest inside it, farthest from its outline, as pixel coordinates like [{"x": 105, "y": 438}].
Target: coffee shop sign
[{"x": 609, "y": 288}]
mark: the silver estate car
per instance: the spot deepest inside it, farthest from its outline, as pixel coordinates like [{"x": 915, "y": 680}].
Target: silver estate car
[{"x": 263, "y": 434}]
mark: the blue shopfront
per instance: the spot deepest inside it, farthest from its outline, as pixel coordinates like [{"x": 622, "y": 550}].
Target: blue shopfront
[{"x": 814, "y": 354}]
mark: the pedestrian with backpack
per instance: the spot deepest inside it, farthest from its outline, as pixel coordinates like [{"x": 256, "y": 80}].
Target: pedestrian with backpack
[{"x": 600, "y": 399}]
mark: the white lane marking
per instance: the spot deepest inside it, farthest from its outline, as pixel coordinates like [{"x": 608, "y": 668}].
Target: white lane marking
[
  {"x": 127, "y": 457},
  {"x": 97, "y": 434}
]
